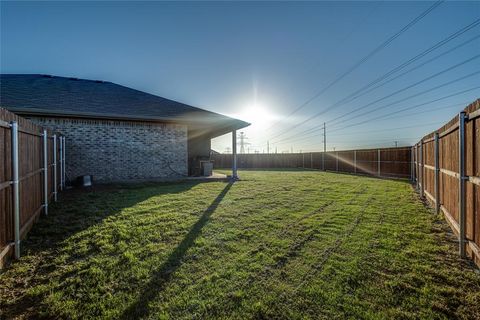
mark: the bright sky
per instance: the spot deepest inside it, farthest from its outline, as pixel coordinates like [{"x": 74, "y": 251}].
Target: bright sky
[{"x": 261, "y": 61}]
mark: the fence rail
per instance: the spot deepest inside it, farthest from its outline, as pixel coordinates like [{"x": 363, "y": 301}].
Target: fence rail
[
  {"x": 384, "y": 162},
  {"x": 31, "y": 173},
  {"x": 447, "y": 173}
]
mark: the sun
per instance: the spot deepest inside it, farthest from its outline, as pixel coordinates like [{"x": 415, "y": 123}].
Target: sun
[{"x": 258, "y": 115}]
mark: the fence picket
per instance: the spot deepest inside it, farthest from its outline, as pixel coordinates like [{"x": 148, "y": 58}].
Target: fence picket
[{"x": 23, "y": 160}]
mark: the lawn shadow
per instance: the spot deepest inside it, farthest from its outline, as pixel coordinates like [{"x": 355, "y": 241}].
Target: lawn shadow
[
  {"x": 299, "y": 169},
  {"x": 162, "y": 275},
  {"x": 76, "y": 211},
  {"x": 79, "y": 209}
]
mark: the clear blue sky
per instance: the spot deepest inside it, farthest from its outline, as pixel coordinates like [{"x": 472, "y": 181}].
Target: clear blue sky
[{"x": 258, "y": 61}]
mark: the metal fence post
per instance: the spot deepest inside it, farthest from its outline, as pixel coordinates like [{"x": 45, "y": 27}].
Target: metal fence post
[
  {"x": 234, "y": 155},
  {"x": 323, "y": 161},
  {"x": 64, "y": 163},
  {"x": 303, "y": 160},
  {"x": 15, "y": 185},
  {"x": 378, "y": 161},
  {"x": 417, "y": 173},
  {"x": 311, "y": 160},
  {"x": 461, "y": 165},
  {"x": 421, "y": 172},
  {"x": 45, "y": 172},
  {"x": 55, "y": 167},
  {"x": 355, "y": 161},
  {"x": 336, "y": 156},
  {"x": 437, "y": 174},
  {"x": 60, "y": 141},
  {"x": 411, "y": 166}
]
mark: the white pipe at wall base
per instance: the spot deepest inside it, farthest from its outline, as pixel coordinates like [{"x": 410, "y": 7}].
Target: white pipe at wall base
[
  {"x": 15, "y": 191},
  {"x": 55, "y": 168},
  {"x": 45, "y": 172},
  {"x": 462, "y": 178}
]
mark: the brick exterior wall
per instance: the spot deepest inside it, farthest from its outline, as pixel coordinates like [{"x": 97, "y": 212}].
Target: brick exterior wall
[{"x": 121, "y": 150}]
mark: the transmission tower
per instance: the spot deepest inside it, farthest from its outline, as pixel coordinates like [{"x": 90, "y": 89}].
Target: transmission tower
[{"x": 243, "y": 143}]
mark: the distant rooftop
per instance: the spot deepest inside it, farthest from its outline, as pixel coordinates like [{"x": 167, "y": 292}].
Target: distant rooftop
[{"x": 35, "y": 94}]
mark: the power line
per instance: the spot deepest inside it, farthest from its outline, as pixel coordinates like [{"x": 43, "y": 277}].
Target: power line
[
  {"x": 415, "y": 68},
  {"x": 365, "y": 58},
  {"x": 404, "y": 109},
  {"x": 387, "y": 115},
  {"x": 375, "y": 140},
  {"x": 373, "y": 131},
  {"x": 417, "y": 94},
  {"x": 370, "y": 140},
  {"x": 398, "y": 101},
  {"x": 406, "y": 88},
  {"x": 386, "y": 75},
  {"x": 456, "y": 105},
  {"x": 397, "y": 128},
  {"x": 439, "y": 44}
]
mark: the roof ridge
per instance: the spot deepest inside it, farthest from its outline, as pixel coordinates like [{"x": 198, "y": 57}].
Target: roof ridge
[{"x": 59, "y": 95}]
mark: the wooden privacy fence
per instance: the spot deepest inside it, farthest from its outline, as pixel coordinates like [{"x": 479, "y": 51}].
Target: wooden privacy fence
[
  {"x": 32, "y": 162},
  {"x": 385, "y": 162},
  {"x": 447, "y": 173}
]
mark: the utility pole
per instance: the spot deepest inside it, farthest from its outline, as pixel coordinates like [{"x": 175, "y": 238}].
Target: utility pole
[
  {"x": 324, "y": 146},
  {"x": 268, "y": 146},
  {"x": 324, "y": 138},
  {"x": 276, "y": 150},
  {"x": 396, "y": 144},
  {"x": 291, "y": 149}
]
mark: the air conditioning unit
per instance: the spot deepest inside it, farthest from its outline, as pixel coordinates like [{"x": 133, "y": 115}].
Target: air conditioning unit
[{"x": 207, "y": 168}]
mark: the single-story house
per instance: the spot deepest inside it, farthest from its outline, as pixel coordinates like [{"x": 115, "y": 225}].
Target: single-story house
[{"x": 117, "y": 133}]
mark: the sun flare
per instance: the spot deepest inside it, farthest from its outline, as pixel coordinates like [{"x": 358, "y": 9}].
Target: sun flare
[{"x": 258, "y": 115}]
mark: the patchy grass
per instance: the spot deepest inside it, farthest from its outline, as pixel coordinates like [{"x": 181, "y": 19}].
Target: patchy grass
[{"x": 296, "y": 245}]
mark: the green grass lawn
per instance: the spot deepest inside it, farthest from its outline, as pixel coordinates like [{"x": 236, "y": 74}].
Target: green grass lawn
[{"x": 275, "y": 245}]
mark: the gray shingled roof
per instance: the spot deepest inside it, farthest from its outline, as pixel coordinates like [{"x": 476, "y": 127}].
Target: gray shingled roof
[{"x": 50, "y": 95}]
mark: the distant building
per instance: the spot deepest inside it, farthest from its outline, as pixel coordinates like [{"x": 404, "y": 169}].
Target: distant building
[{"x": 113, "y": 132}]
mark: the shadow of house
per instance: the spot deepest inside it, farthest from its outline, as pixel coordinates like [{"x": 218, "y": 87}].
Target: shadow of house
[
  {"x": 164, "y": 273},
  {"x": 78, "y": 211}
]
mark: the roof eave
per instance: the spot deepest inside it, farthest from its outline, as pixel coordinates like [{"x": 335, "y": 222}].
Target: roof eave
[{"x": 233, "y": 124}]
